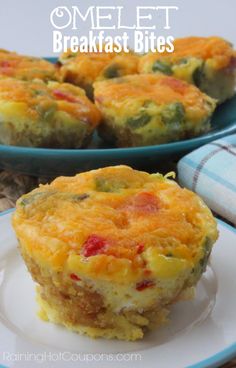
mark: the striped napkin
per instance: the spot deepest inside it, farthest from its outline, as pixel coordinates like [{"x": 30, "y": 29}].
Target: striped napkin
[{"x": 210, "y": 171}]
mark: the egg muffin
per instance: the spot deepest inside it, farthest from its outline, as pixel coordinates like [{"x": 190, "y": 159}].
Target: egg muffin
[
  {"x": 111, "y": 249},
  {"x": 150, "y": 109},
  {"x": 39, "y": 114},
  {"x": 207, "y": 62},
  {"x": 26, "y": 67},
  {"x": 83, "y": 69}
]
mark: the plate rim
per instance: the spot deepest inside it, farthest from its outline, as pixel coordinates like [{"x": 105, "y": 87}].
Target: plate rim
[
  {"x": 211, "y": 362},
  {"x": 165, "y": 147}
]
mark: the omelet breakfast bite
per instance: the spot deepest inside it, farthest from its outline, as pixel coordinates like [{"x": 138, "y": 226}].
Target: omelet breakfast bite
[
  {"x": 111, "y": 249},
  {"x": 83, "y": 69},
  {"x": 26, "y": 67},
  {"x": 148, "y": 109},
  {"x": 38, "y": 114},
  {"x": 207, "y": 62}
]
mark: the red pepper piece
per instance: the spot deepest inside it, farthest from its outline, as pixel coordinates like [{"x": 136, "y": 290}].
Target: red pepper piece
[
  {"x": 175, "y": 84},
  {"x": 147, "y": 272},
  {"x": 64, "y": 96},
  {"x": 231, "y": 66},
  {"x": 5, "y": 64},
  {"x": 74, "y": 277},
  {"x": 146, "y": 202},
  {"x": 142, "y": 285},
  {"x": 94, "y": 245},
  {"x": 140, "y": 248}
]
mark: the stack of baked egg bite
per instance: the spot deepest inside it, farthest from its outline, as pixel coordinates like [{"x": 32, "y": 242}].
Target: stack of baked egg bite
[{"x": 133, "y": 100}]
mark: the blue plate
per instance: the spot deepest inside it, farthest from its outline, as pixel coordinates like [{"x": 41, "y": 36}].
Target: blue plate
[{"x": 54, "y": 162}]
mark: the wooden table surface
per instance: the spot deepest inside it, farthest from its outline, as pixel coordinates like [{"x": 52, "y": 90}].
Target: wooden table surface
[{"x": 12, "y": 186}]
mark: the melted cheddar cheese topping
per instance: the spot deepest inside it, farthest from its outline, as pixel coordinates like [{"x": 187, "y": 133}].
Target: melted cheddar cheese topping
[
  {"x": 215, "y": 50},
  {"x": 26, "y": 67},
  {"x": 85, "y": 68},
  {"x": 116, "y": 224},
  {"x": 128, "y": 93},
  {"x": 37, "y": 100}
]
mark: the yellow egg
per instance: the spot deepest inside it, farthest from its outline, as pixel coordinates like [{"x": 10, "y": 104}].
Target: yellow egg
[{"x": 113, "y": 248}]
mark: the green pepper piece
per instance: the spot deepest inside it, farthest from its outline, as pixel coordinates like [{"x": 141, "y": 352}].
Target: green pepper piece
[
  {"x": 49, "y": 113},
  {"x": 183, "y": 61},
  {"x": 38, "y": 92},
  {"x": 111, "y": 71},
  {"x": 197, "y": 76},
  {"x": 207, "y": 250},
  {"x": 174, "y": 113},
  {"x": 46, "y": 110},
  {"x": 30, "y": 198},
  {"x": 79, "y": 197},
  {"x": 109, "y": 185},
  {"x": 138, "y": 121},
  {"x": 163, "y": 67}
]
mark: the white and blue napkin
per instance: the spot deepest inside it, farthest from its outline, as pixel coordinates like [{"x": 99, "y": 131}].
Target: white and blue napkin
[{"x": 210, "y": 171}]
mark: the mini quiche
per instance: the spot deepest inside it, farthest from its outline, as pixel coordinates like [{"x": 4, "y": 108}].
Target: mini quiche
[
  {"x": 207, "y": 62},
  {"x": 26, "y": 67},
  {"x": 36, "y": 114},
  {"x": 111, "y": 249},
  {"x": 83, "y": 69},
  {"x": 148, "y": 109}
]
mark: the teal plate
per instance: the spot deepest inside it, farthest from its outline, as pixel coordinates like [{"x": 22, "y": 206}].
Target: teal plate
[{"x": 54, "y": 162}]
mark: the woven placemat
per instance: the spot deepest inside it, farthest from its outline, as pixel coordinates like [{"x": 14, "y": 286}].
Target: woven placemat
[{"x": 13, "y": 185}]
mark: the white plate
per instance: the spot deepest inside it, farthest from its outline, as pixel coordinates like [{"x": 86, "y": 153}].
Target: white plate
[{"x": 201, "y": 333}]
